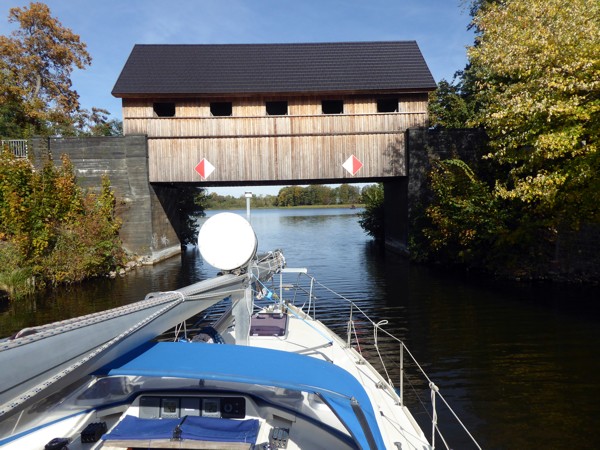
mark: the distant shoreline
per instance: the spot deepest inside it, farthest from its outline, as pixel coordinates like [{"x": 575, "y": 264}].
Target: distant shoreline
[{"x": 356, "y": 206}]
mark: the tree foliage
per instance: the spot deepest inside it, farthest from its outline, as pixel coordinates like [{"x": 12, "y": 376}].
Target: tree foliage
[
  {"x": 465, "y": 218},
  {"x": 537, "y": 70},
  {"x": 317, "y": 194},
  {"x": 533, "y": 84},
  {"x": 190, "y": 205},
  {"x": 289, "y": 196},
  {"x": 448, "y": 108},
  {"x": 372, "y": 218},
  {"x": 36, "y": 63},
  {"x": 217, "y": 201},
  {"x": 52, "y": 230}
]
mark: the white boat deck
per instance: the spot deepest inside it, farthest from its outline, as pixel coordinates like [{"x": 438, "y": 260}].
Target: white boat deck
[
  {"x": 311, "y": 338},
  {"x": 303, "y": 336}
]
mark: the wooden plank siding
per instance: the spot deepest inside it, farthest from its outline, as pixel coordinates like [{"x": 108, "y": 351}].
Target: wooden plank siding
[{"x": 250, "y": 146}]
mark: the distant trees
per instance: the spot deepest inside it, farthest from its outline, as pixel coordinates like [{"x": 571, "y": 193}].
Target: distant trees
[
  {"x": 312, "y": 195},
  {"x": 217, "y": 201},
  {"x": 36, "y": 63},
  {"x": 345, "y": 194}
]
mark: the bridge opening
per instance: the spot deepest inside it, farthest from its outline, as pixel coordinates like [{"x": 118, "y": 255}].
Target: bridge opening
[{"x": 290, "y": 195}]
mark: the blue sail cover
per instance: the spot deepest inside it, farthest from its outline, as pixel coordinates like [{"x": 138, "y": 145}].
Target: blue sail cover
[
  {"x": 193, "y": 428},
  {"x": 259, "y": 366}
]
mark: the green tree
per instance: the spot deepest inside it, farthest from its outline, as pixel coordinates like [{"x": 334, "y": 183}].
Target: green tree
[
  {"x": 291, "y": 196},
  {"x": 50, "y": 230},
  {"x": 315, "y": 194},
  {"x": 191, "y": 202},
  {"x": 347, "y": 194},
  {"x": 96, "y": 122},
  {"x": 372, "y": 218},
  {"x": 467, "y": 222},
  {"x": 537, "y": 70},
  {"x": 284, "y": 197},
  {"x": 448, "y": 107},
  {"x": 533, "y": 84},
  {"x": 36, "y": 63}
]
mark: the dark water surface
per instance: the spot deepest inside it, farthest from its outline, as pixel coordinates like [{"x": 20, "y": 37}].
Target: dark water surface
[{"x": 519, "y": 364}]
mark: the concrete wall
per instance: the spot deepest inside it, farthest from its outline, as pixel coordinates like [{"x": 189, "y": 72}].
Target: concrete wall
[
  {"x": 405, "y": 195},
  {"x": 395, "y": 204},
  {"x": 424, "y": 145},
  {"x": 147, "y": 230},
  {"x": 577, "y": 254}
]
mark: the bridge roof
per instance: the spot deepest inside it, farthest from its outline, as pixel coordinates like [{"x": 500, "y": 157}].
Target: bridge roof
[{"x": 247, "y": 69}]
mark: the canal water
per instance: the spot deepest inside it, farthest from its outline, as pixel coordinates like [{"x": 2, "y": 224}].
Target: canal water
[{"x": 520, "y": 364}]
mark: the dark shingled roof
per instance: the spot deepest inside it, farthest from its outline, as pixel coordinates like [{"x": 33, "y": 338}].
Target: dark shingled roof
[{"x": 273, "y": 68}]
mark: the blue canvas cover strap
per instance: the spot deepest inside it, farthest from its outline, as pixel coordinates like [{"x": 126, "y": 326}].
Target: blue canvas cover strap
[{"x": 210, "y": 429}]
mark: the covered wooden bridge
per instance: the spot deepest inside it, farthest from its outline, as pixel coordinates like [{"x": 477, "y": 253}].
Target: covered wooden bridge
[
  {"x": 259, "y": 114},
  {"x": 274, "y": 113}
]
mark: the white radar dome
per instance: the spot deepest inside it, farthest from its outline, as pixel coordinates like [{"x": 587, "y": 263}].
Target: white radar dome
[{"x": 227, "y": 241}]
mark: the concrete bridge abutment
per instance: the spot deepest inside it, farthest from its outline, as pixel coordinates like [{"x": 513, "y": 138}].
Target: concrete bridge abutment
[
  {"x": 404, "y": 197},
  {"x": 148, "y": 224},
  {"x": 395, "y": 204}
]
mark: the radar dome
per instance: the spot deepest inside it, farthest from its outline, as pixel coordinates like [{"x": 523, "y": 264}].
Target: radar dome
[{"x": 227, "y": 241}]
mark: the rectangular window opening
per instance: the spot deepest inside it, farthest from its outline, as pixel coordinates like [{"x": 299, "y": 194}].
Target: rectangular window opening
[
  {"x": 387, "y": 105},
  {"x": 332, "y": 106},
  {"x": 220, "y": 109},
  {"x": 278, "y": 108},
  {"x": 164, "y": 109}
]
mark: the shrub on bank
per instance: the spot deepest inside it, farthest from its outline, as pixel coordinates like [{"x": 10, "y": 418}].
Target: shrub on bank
[
  {"x": 372, "y": 218},
  {"x": 51, "y": 232}
]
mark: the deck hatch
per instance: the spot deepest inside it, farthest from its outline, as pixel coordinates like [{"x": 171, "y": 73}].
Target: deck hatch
[{"x": 268, "y": 324}]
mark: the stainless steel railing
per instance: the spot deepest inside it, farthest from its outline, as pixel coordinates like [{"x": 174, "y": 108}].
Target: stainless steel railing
[
  {"x": 17, "y": 146},
  {"x": 305, "y": 295}
]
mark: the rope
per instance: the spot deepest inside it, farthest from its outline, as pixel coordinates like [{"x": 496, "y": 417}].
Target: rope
[
  {"x": 352, "y": 328},
  {"x": 270, "y": 295},
  {"x": 182, "y": 324}
]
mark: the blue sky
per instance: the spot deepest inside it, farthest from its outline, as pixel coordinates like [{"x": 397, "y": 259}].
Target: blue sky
[{"x": 111, "y": 28}]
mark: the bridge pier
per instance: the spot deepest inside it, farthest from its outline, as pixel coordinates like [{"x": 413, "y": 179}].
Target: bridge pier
[
  {"x": 395, "y": 204},
  {"x": 148, "y": 223}
]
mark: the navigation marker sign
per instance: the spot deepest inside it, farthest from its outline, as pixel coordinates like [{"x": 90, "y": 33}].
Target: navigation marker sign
[
  {"x": 352, "y": 165},
  {"x": 204, "y": 168}
]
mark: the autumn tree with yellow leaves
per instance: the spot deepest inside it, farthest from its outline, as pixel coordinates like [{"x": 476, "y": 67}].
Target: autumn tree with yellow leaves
[
  {"x": 537, "y": 71},
  {"x": 533, "y": 84},
  {"x": 36, "y": 63},
  {"x": 51, "y": 231}
]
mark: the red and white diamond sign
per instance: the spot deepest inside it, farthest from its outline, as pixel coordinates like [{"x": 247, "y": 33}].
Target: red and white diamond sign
[
  {"x": 352, "y": 165},
  {"x": 204, "y": 168}
]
